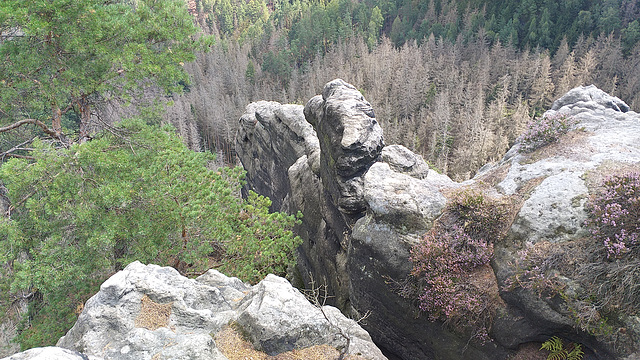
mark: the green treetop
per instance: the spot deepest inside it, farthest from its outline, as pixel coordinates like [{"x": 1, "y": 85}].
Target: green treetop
[{"x": 60, "y": 57}]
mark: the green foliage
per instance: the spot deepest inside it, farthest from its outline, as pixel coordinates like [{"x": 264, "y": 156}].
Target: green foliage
[
  {"x": 630, "y": 36},
  {"x": 267, "y": 252},
  {"x": 557, "y": 350},
  {"x": 82, "y": 213},
  {"x": 62, "y": 57},
  {"x": 375, "y": 25},
  {"x": 296, "y": 32},
  {"x": 480, "y": 215},
  {"x": 305, "y": 29},
  {"x": 250, "y": 73}
]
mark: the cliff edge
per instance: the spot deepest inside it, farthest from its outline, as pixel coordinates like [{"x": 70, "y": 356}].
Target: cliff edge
[{"x": 367, "y": 205}]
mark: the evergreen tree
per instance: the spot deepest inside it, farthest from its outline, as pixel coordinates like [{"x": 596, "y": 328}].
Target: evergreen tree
[
  {"x": 375, "y": 25},
  {"x": 630, "y": 36},
  {"x": 544, "y": 30},
  {"x": 609, "y": 21},
  {"x": 60, "y": 58},
  {"x": 396, "y": 34},
  {"x": 82, "y": 213}
]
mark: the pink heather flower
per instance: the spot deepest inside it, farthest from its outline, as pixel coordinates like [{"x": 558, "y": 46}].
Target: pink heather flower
[
  {"x": 615, "y": 214},
  {"x": 545, "y": 130}
]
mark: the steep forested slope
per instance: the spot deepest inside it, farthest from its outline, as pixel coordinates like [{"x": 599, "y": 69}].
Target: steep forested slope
[
  {"x": 458, "y": 105},
  {"x": 455, "y": 81},
  {"x": 312, "y": 25}
]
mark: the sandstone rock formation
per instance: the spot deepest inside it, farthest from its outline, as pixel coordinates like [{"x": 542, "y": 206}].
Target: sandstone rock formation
[
  {"x": 269, "y": 127},
  {"x": 556, "y": 182},
  {"x": 50, "y": 353},
  {"x": 152, "y": 312},
  {"x": 366, "y": 205}
]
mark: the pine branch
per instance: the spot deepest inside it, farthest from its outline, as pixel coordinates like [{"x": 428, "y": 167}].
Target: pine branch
[
  {"x": 38, "y": 123},
  {"x": 17, "y": 148}
]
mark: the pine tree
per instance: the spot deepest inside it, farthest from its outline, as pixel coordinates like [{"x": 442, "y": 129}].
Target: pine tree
[
  {"x": 61, "y": 58},
  {"x": 81, "y": 213}
]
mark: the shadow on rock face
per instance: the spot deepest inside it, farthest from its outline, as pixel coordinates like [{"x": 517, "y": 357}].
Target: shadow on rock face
[{"x": 366, "y": 205}]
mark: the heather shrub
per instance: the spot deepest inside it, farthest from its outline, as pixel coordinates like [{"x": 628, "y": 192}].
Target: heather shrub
[
  {"x": 480, "y": 216},
  {"x": 536, "y": 269},
  {"x": 541, "y": 269},
  {"x": 444, "y": 260},
  {"x": 595, "y": 280},
  {"x": 545, "y": 130},
  {"x": 614, "y": 222},
  {"x": 614, "y": 215},
  {"x": 459, "y": 245}
]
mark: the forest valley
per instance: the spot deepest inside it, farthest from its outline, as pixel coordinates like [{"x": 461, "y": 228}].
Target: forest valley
[
  {"x": 456, "y": 81},
  {"x": 459, "y": 98}
]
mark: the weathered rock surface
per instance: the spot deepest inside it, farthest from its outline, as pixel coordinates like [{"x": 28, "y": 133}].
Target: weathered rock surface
[
  {"x": 606, "y": 140},
  {"x": 589, "y": 98},
  {"x": 152, "y": 312},
  {"x": 350, "y": 141},
  {"x": 279, "y": 136},
  {"x": 50, "y": 353},
  {"x": 365, "y": 209}
]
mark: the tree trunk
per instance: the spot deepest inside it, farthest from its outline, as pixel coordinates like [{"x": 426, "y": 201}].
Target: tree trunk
[
  {"x": 56, "y": 120},
  {"x": 85, "y": 118}
]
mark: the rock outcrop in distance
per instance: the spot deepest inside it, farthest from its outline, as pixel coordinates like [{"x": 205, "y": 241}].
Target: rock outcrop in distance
[
  {"x": 365, "y": 206},
  {"x": 152, "y": 312}
]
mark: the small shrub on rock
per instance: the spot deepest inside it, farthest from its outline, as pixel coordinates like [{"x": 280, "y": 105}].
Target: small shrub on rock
[
  {"x": 536, "y": 269},
  {"x": 615, "y": 215},
  {"x": 596, "y": 277},
  {"x": 444, "y": 260},
  {"x": 545, "y": 130},
  {"x": 562, "y": 272},
  {"x": 458, "y": 246},
  {"x": 480, "y": 216}
]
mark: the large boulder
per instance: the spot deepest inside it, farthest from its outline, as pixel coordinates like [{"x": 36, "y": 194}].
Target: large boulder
[
  {"x": 350, "y": 141},
  {"x": 365, "y": 209},
  {"x": 50, "y": 353},
  {"x": 275, "y": 331},
  {"x": 589, "y": 98},
  {"x": 152, "y": 312}
]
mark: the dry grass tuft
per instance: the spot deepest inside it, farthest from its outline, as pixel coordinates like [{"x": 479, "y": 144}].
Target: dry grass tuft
[
  {"x": 572, "y": 145},
  {"x": 496, "y": 175},
  {"x": 152, "y": 314}
]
